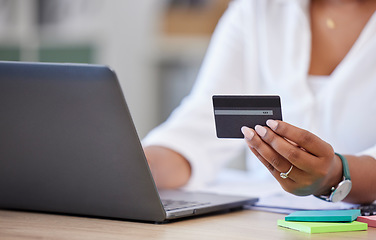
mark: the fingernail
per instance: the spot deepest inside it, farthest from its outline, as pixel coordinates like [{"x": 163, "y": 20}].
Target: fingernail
[
  {"x": 247, "y": 132},
  {"x": 260, "y": 130},
  {"x": 272, "y": 124}
]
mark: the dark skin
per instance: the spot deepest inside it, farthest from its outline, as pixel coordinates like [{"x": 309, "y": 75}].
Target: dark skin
[
  {"x": 280, "y": 145},
  {"x": 330, "y": 46},
  {"x": 316, "y": 168}
]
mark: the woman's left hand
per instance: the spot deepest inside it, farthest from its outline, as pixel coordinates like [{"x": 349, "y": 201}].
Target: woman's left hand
[{"x": 310, "y": 162}]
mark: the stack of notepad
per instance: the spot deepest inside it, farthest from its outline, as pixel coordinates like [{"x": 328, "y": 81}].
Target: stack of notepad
[{"x": 324, "y": 221}]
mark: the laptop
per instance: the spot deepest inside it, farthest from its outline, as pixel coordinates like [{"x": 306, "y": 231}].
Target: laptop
[{"x": 68, "y": 145}]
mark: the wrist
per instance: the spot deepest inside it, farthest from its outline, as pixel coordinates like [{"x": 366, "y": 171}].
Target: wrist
[{"x": 340, "y": 183}]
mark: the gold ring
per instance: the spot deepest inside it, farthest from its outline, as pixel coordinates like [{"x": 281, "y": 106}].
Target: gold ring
[{"x": 286, "y": 174}]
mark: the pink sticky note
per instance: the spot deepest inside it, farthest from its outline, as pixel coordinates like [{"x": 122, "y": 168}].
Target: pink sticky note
[{"x": 370, "y": 220}]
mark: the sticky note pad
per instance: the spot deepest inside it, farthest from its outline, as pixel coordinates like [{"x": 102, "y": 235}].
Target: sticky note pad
[
  {"x": 324, "y": 216},
  {"x": 323, "y": 227},
  {"x": 370, "y": 220}
]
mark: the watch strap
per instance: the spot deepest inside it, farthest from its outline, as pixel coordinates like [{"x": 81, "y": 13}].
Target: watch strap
[{"x": 345, "y": 166}]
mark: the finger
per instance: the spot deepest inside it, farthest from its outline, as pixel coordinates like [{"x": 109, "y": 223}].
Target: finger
[
  {"x": 294, "y": 154},
  {"x": 292, "y": 184},
  {"x": 268, "y": 156},
  {"x": 267, "y": 153},
  {"x": 289, "y": 184},
  {"x": 272, "y": 169},
  {"x": 303, "y": 138},
  {"x": 297, "y": 179}
]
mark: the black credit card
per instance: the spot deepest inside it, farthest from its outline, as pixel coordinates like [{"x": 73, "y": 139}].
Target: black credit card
[{"x": 232, "y": 112}]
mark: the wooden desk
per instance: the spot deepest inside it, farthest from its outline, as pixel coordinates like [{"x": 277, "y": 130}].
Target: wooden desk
[{"x": 247, "y": 224}]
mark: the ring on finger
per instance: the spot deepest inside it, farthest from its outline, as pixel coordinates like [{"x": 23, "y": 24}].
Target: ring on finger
[{"x": 286, "y": 174}]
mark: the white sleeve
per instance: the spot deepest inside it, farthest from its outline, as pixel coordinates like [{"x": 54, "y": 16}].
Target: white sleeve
[
  {"x": 190, "y": 130},
  {"x": 370, "y": 152}
]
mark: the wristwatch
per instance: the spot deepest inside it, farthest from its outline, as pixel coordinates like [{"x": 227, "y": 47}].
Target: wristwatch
[{"x": 343, "y": 188}]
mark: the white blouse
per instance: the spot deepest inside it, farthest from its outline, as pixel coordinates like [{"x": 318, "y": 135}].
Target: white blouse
[
  {"x": 317, "y": 83},
  {"x": 263, "y": 47}
]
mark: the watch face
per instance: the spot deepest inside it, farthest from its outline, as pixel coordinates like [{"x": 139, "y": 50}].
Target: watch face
[{"x": 341, "y": 191}]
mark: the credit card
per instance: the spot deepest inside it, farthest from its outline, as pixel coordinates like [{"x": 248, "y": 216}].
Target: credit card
[{"x": 231, "y": 112}]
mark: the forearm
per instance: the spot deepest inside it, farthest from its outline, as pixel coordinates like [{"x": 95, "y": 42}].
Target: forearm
[
  {"x": 363, "y": 177},
  {"x": 169, "y": 168}
]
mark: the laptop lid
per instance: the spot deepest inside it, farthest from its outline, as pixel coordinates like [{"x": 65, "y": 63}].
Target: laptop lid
[{"x": 68, "y": 144}]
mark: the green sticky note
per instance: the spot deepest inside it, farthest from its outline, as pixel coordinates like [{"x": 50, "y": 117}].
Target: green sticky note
[
  {"x": 324, "y": 216},
  {"x": 323, "y": 227}
]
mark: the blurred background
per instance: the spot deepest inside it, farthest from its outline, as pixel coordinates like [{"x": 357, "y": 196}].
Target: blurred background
[{"x": 155, "y": 46}]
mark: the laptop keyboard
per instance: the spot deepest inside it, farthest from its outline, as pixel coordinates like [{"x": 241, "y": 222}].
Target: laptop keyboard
[{"x": 169, "y": 204}]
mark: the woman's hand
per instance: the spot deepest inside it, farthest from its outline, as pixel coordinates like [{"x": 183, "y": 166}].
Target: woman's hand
[{"x": 315, "y": 167}]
